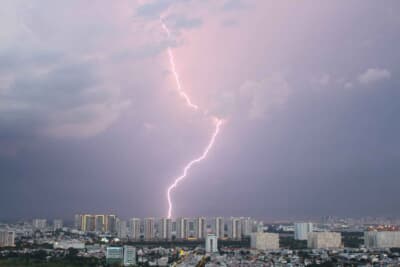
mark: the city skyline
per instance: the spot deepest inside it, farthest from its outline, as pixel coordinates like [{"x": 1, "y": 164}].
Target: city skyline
[{"x": 93, "y": 117}]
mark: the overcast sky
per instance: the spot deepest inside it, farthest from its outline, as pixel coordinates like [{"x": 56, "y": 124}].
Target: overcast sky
[{"x": 91, "y": 121}]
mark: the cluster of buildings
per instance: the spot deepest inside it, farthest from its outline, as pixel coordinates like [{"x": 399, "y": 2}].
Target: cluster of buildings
[
  {"x": 96, "y": 223},
  {"x": 42, "y": 224},
  {"x": 286, "y": 257},
  {"x": 149, "y": 229},
  {"x": 234, "y": 240},
  {"x": 8, "y": 234},
  {"x": 382, "y": 236},
  {"x": 316, "y": 240}
]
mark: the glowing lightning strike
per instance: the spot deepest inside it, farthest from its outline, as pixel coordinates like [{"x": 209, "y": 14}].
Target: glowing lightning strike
[
  {"x": 190, "y": 164},
  {"x": 218, "y": 123},
  {"x": 175, "y": 72},
  {"x": 178, "y": 82}
]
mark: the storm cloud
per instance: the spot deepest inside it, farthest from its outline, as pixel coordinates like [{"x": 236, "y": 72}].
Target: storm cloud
[{"x": 90, "y": 119}]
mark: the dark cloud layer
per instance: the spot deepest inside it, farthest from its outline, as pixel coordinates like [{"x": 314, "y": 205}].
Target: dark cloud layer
[{"x": 90, "y": 120}]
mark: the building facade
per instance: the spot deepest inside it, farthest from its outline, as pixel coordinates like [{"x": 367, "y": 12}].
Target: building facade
[
  {"x": 7, "y": 238},
  {"x": 104, "y": 223},
  {"x": 149, "y": 232},
  {"x": 111, "y": 223},
  {"x": 218, "y": 227},
  {"x": 382, "y": 239},
  {"x": 211, "y": 243},
  {"x": 326, "y": 240},
  {"x": 114, "y": 255},
  {"x": 76, "y": 244},
  {"x": 246, "y": 224},
  {"x": 100, "y": 223},
  {"x": 182, "y": 228},
  {"x": 235, "y": 229},
  {"x": 129, "y": 256},
  {"x": 301, "y": 230},
  {"x": 200, "y": 228},
  {"x": 264, "y": 241},
  {"x": 165, "y": 229},
  {"x": 122, "y": 229},
  {"x": 134, "y": 228}
]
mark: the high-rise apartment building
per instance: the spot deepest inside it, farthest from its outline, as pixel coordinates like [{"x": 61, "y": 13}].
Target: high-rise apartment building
[
  {"x": 96, "y": 223},
  {"x": 246, "y": 224},
  {"x": 122, "y": 229},
  {"x": 264, "y": 241},
  {"x": 89, "y": 223},
  {"x": 165, "y": 229},
  {"x": 182, "y": 228},
  {"x": 218, "y": 227},
  {"x": 7, "y": 238},
  {"x": 382, "y": 239},
  {"x": 259, "y": 227},
  {"x": 57, "y": 224},
  {"x": 235, "y": 229},
  {"x": 100, "y": 224},
  {"x": 78, "y": 221},
  {"x": 149, "y": 232},
  {"x": 200, "y": 228},
  {"x": 211, "y": 243},
  {"x": 326, "y": 240},
  {"x": 301, "y": 230},
  {"x": 134, "y": 228},
  {"x": 111, "y": 223}
]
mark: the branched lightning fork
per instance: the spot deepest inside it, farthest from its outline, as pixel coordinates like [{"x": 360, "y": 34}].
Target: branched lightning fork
[{"x": 218, "y": 123}]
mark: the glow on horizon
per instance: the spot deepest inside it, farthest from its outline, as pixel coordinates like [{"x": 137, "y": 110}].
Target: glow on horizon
[{"x": 218, "y": 123}]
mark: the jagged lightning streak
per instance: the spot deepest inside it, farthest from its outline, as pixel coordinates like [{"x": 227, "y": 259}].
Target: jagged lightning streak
[
  {"x": 175, "y": 72},
  {"x": 190, "y": 164},
  {"x": 218, "y": 123}
]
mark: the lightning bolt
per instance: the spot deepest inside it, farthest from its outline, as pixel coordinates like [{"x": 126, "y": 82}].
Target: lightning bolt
[
  {"x": 178, "y": 81},
  {"x": 218, "y": 122},
  {"x": 191, "y": 163}
]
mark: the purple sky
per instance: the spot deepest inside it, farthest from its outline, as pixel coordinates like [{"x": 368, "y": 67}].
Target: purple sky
[{"x": 90, "y": 119}]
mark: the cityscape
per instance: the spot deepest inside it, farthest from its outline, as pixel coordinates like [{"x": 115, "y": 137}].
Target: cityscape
[
  {"x": 104, "y": 239},
  {"x": 187, "y": 133}
]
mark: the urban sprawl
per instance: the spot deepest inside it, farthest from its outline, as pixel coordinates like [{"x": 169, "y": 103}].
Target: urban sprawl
[{"x": 106, "y": 240}]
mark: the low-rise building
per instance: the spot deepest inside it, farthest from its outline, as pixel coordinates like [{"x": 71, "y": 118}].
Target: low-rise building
[
  {"x": 129, "y": 256},
  {"x": 69, "y": 244},
  {"x": 114, "y": 255}
]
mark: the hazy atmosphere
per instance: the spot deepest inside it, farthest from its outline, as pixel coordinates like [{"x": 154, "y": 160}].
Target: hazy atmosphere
[{"x": 91, "y": 119}]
